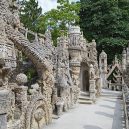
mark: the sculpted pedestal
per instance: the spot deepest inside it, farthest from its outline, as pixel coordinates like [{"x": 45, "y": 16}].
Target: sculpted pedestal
[{"x": 92, "y": 90}]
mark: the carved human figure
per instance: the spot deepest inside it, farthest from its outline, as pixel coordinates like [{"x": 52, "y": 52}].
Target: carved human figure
[
  {"x": 92, "y": 72},
  {"x": 4, "y": 71}
]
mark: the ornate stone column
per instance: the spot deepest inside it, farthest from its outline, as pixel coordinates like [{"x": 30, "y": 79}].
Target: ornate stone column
[
  {"x": 103, "y": 69},
  {"x": 110, "y": 85},
  {"x": 92, "y": 88},
  {"x": 64, "y": 81},
  {"x": 21, "y": 101},
  {"x": 98, "y": 86},
  {"x": 124, "y": 59},
  {"x": 75, "y": 59},
  {"x": 46, "y": 83},
  {"x": 21, "y": 91},
  {"x": 126, "y": 53}
]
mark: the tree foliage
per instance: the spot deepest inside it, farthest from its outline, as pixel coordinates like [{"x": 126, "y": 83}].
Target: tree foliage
[
  {"x": 30, "y": 13},
  {"x": 60, "y": 18},
  {"x": 56, "y": 19},
  {"x": 107, "y": 21}
]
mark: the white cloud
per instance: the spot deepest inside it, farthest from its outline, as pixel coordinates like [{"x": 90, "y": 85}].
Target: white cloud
[{"x": 49, "y": 4}]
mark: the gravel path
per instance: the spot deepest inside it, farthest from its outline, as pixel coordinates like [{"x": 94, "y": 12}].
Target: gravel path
[{"x": 105, "y": 114}]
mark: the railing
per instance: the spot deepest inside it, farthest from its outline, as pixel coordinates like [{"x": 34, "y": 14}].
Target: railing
[{"x": 125, "y": 89}]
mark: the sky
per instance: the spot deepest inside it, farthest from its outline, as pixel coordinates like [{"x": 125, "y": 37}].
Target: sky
[{"x": 48, "y": 4}]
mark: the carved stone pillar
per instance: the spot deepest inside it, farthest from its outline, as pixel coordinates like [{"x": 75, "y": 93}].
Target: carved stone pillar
[
  {"x": 92, "y": 90},
  {"x": 103, "y": 68},
  {"x": 124, "y": 58},
  {"x": 3, "y": 108},
  {"x": 110, "y": 85},
  {"x": 126, "y": 55},
  {"x": 60, "y": 105},
  {"x": 75, "y": 59},
  {"x": 21, "y": 96},
  {"x": 98, "y": 86},
  {"x": 75, "y": 71},
  {"x": 46, "y": 83},
  {"x": 21, "y": 92}
]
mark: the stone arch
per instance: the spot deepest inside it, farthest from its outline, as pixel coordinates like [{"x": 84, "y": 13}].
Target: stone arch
[
  {"x": 84, "y": 77},
  {"x": 10, "y": 23},
  {"x": 36, "y": 53},
  {"x": 37, "y": 113}
]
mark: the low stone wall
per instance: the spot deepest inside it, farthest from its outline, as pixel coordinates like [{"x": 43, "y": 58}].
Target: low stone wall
[{"x": 125, "y": 91}]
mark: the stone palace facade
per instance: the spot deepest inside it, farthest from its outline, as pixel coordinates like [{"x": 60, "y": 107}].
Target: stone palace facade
[{"x": 64, "y": 72}]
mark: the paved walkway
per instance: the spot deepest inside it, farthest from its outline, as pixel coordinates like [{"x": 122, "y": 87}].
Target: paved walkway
[{"x": 105, "y": 114}]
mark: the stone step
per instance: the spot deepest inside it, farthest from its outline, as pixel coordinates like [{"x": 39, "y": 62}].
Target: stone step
[
  {"x": 84, "y": 93},
  {"x": 85, "y": 101},
  {"x": 84, "y": 97},
  {"x": 55, "y": 116}
]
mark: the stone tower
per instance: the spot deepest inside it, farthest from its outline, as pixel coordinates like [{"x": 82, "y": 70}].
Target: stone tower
[
  {"x": 74, "y": 48},
  {"x": 103, "y": 68}
]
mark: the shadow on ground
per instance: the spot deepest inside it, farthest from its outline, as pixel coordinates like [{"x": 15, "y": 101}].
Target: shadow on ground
[
  {"x": 109, "y": 100},
  {"x": 91, "y": 127},
  {"x": 107, "y": 106},
  {"x": 117, "y": 119},
  {"x": 104, "y": 114}
]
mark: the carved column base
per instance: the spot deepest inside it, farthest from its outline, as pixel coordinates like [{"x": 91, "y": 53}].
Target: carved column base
[
  {"x": 92, "y": 90},
  {"x": 110, "y": 86},
  {"x": 98, "y": 87},
  {"x": 59, "y": 108}
]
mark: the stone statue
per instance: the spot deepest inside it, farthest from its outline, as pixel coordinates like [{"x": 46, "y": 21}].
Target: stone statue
[
  {"x": 92, "y": 72},
  {"x": 4, "y": 71}
]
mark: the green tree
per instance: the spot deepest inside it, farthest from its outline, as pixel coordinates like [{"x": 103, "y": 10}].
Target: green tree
[
  {"x": 30, "y": 13},
  {"x": 60, "y": 18},
  {"x": 106, "y": 21}
]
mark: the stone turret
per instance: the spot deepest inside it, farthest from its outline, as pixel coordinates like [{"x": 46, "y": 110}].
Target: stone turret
[
  {"x": 127, "y": 56},
  {"x": 74, "y": 45},
  {"x": 103, "y": 62},
  {"x": 124, "y": 59},
  {"x": 103, "y": 68},
  {"x": 74, "y": 36}
]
